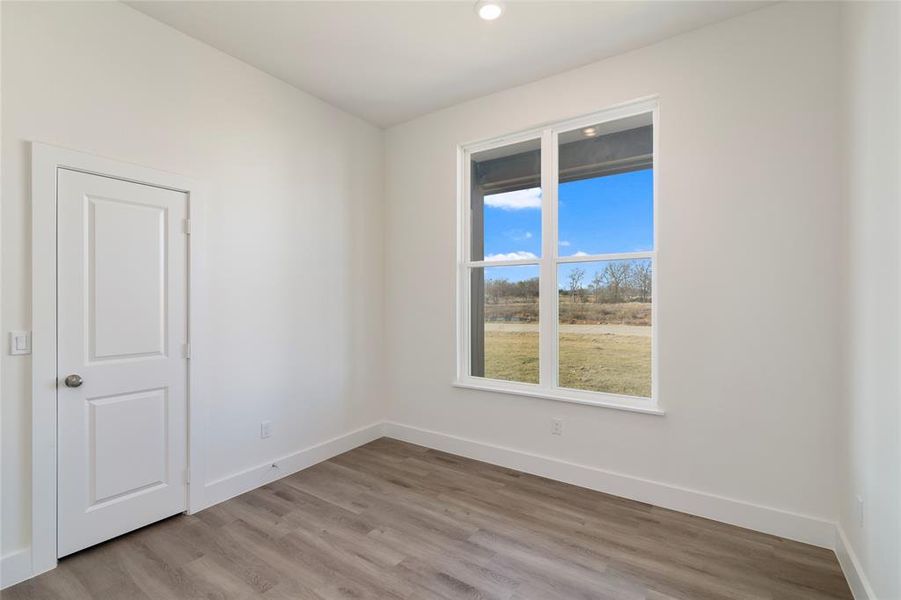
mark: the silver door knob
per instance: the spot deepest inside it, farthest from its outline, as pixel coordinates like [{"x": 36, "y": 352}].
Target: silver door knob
[{"x": 74, "y": 380}]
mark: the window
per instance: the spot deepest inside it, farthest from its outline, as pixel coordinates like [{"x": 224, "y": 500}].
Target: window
[{"x": 557, "y": 263}]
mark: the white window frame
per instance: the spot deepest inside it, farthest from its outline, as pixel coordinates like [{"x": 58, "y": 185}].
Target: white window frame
[{"x": 548, "y": 264}]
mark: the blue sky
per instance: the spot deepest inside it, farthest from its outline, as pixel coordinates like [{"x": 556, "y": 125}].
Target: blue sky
[{"x": 595, "y": 216}]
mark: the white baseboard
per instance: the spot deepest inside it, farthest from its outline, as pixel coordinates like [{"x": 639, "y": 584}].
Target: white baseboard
[
  {"x": 857, "y": 580},
  {"x": 236, "y": 484},
  {"x": 802, "y": 528},
  {"x": 15, "y": 567}
]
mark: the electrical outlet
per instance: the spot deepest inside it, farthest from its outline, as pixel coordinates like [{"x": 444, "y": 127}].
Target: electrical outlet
[
  {"x": 19, "y": 342},
  {"x": 860, "y": 511},
  {"x": 265, "y": 429},
  {"x": 557, "y": 426}
]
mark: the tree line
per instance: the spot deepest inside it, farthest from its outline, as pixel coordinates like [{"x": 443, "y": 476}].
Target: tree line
[{"x": 618, "y": 281}]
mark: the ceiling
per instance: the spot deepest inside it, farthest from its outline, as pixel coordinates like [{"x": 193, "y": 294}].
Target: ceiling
[{"x": 389, "y": 62}]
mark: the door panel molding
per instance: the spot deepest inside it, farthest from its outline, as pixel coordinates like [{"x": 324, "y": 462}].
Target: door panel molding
[
  {"x": 46, "y": 161},
  {"x": 103, "y": 491},
  {"x": 104, "y": 339}
]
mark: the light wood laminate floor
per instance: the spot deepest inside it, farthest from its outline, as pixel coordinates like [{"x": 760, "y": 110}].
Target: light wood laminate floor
[{"x": 394, "y": 520}]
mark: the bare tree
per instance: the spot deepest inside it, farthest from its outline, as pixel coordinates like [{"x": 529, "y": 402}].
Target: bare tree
[
  {"x": 616, "y": 276},
  {"x": 527, "y": 288},
  {"x": 503, "y": 290},
  {"x": 642, "y": 280},
  {"x": 597, "y": 285},
  {"x": 575, "y": 282}
]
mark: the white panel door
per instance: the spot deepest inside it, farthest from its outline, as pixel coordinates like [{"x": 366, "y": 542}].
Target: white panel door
[{"x": 122, "y": 325}]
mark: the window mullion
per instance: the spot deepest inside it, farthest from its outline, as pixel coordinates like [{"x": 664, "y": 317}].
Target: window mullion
[{"x": 547, "y": 299}]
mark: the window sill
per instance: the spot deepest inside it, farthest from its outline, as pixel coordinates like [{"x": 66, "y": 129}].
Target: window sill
[{"x": 627, "y": 403}]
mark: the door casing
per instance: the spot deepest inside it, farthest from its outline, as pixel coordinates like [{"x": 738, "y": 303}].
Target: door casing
[{"x": 46, "y": 160}]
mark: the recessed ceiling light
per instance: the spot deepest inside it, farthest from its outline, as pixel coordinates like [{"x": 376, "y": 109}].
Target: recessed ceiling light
[
  {"x": 590, "y": 131},
  {"x": 489, "y": 10}
]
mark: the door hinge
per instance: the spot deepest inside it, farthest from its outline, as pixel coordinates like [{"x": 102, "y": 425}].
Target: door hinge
[
  {"x": 187, "y": 475},
  {"x": 187, "y": 226},
  {"x": 186, "y": 350}
]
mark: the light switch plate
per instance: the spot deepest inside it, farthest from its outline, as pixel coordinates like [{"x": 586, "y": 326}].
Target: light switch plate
[{"x": 19, "y": 342}]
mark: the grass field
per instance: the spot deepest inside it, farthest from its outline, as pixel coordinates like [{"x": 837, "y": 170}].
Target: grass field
[{"x": 603, "y": 362}]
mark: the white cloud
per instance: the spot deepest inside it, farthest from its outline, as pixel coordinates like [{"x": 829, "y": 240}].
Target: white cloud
[
  {"x": 564, "y": 243},
  {"x": 517, "y": 255},
  {"x": 518, "y": 200},
  {"x": 579, "y": 253},
  {"x": 518, "y": 235}
]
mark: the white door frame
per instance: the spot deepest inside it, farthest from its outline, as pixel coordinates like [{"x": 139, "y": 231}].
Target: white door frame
[{"x": 45, "y": 161}]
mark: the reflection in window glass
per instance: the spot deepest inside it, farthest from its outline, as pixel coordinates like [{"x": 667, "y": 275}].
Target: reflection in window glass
[
  {"x": 605, "y": 326},
  {"x": 504, "y": 337}
]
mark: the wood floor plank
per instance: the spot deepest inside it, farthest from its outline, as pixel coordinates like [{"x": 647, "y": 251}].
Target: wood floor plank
[{"x": 392, "y": 520}]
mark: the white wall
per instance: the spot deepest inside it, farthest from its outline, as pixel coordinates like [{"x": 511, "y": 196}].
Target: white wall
[
  {"x": 870, "y": 446},
  {"x": 294, "y": 207},
  {"x": 751, "y": 221},
  {"x": 750, "y": 258}
]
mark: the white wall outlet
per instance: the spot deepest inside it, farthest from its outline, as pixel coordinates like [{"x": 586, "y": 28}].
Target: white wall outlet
[
  {"x": 860, "y": 511},
  {"x": 265, "y": 429},
  {"x": 19, "y": 342},
  {"x": 557, "y": 426}
]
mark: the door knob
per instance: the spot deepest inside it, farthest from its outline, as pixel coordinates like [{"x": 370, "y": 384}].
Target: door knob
[{"x": 74, "y": 380}]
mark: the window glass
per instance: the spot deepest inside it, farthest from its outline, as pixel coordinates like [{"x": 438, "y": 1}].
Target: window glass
[
  {"x": 606, "y": 192},
  {"x": 505, "y": 323},
  {"x": 608, "y": 214},
  {"x": 505, "y": 203},
  {"x": 605, "y": 326}
]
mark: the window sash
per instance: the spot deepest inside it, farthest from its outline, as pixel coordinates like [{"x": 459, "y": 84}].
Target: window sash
[{"x": 548, "y": 301}]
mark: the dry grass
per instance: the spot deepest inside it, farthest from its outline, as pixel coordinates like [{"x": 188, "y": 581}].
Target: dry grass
[
  {"x": 511, "y": 356},
  {"x": 617, "y": 364},
  {"x": 526, "y": 311},
  {"x": 622, "y": 313}
]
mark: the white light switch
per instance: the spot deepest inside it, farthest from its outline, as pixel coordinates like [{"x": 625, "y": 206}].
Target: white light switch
[{"x": 19, "y": 342}]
